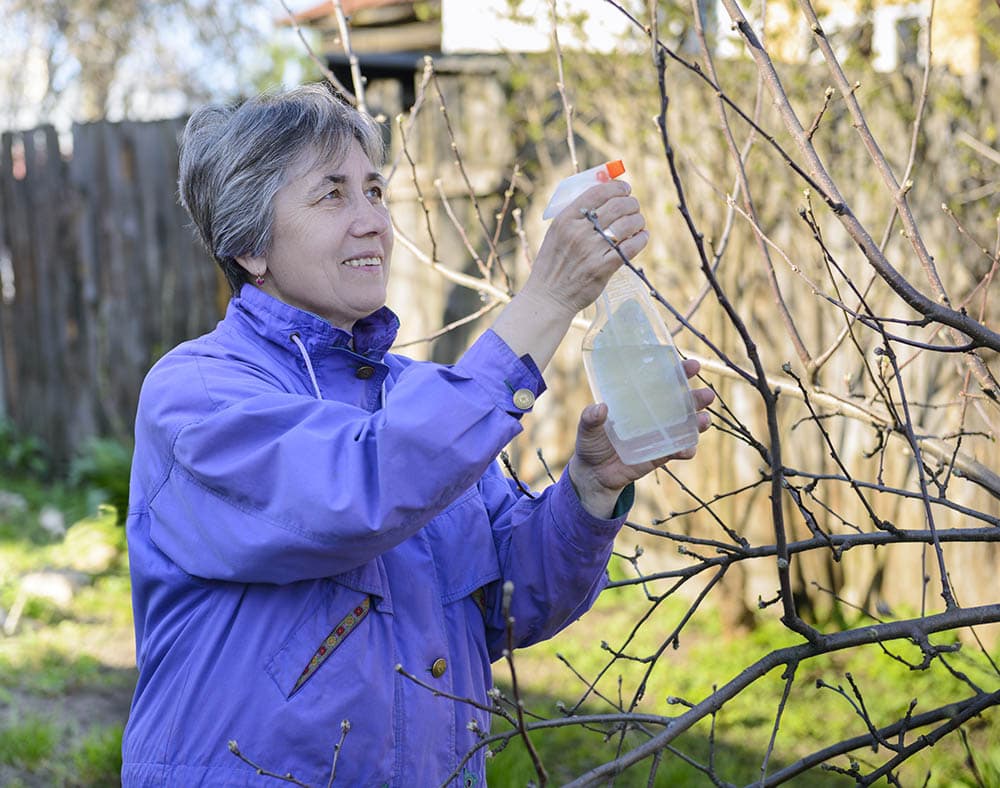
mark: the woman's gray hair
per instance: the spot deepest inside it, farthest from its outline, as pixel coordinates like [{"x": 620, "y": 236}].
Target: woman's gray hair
[{"x": 235, "y": 158}]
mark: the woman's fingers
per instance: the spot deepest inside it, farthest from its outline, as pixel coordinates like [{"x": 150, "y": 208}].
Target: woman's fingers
[
  {"x": 631, "y": 247},
  {"x": 601, "y": 200},
  {"x": 620, "y": 220},
  {"x": 702, "y": 398},
  {"x": 615, "y": 209},
  {"x": 625, "y": 227}
]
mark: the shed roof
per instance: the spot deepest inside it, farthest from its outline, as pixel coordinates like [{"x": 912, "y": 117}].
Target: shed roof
[{"x": 324, "y": 9}]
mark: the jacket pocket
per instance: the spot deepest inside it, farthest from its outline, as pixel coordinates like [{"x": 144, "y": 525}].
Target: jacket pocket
[
  {"x": 335, "y": 637},
  {"x": 343, "y": 628},
  {"x": 461, "y": 541}
]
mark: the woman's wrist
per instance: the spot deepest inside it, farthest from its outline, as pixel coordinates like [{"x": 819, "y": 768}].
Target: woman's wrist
[
  {"x": 597, "y": 499},
  {"x": 533, "y": 324}
]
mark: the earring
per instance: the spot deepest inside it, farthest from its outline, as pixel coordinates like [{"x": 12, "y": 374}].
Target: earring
[{"x": 259, "y": 280}]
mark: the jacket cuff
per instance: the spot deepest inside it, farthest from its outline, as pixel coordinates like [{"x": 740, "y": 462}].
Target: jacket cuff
[
  {"x": 514, "y": 383},
  {"x": 580, "y": 528}
]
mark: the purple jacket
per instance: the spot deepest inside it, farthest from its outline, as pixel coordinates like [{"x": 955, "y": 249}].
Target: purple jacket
[{"x": 305, "y": 515}]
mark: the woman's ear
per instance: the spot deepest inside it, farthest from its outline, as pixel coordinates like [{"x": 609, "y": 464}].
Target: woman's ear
[{"x": 255, "y": 266}]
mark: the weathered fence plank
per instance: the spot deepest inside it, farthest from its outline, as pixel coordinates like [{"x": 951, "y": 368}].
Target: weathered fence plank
[{"x": 107, "y": 275}]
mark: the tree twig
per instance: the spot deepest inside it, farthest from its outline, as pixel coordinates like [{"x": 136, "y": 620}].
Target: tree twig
[
  {"x": 345, "y": 41},
  {"x": 324, "y": 69},
  {"x": 561, "y": 85}
]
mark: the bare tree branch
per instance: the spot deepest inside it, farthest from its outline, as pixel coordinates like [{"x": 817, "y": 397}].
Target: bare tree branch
[{"x": 345, "y": 41}]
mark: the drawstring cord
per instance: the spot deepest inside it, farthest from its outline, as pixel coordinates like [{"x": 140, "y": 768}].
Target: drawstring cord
[
  {"x": 309, "y": 366},
  {"x": 312, "y": 375}
]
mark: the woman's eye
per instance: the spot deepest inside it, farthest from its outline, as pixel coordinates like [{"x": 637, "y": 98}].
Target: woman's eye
[
  {"x": 376, "y": 193},
  {"x": 333, "y": 194}
]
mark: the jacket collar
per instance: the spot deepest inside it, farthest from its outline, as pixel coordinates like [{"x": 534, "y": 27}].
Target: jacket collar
[{"x": 277, "y": 321}]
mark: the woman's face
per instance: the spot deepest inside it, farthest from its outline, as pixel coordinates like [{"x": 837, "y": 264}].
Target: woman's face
[{"x": 331, "y": 239}]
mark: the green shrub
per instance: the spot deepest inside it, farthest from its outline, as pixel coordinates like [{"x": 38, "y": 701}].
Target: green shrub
[
  {"x": 103, "y": 468},
  {"x": 21, "y": 454},
  {"x": 28, "y": 743},
  {"x": 97, "y": 758},
  {"x": 29, "y": 456}
]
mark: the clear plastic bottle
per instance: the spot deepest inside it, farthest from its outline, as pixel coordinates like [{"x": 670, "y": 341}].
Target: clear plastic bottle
[
  {"x": 630, "y": 359},
  {"x": 634, "y": 368}
]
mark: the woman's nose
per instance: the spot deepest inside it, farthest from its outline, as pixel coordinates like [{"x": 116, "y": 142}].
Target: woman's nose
[{"x": 371, "y": 218}]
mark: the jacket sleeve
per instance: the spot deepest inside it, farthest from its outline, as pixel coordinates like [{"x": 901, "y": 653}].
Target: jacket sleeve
[
  {"x": 552, "y": 550},
  {"x": 262, "y": 485}
]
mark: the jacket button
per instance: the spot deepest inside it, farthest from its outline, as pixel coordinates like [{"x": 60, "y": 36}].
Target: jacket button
[
  {"x": 524, "y": 398},
  {"x": 439, "y": 667},
  {"x": 364, "y": 372}
]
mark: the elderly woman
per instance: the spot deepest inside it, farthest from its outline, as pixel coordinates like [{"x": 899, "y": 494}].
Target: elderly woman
[{"x": 310, "y": 511}]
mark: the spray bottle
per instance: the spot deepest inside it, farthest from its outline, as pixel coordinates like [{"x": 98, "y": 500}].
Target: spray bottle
[{"x": 630, "y": 359}]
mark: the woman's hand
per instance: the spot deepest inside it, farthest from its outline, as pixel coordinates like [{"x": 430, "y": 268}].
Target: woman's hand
[
  {"x": 598, "y": 473},
  {"x": 575, "y": 262},
  {"x": 571, "y": 268}
]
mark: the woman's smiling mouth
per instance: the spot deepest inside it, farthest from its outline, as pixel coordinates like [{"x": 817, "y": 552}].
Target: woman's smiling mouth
[{"x": 363, "y": 262}]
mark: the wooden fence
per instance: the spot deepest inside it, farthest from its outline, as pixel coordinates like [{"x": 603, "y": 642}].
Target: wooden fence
[{"x": 101, "y": 274}]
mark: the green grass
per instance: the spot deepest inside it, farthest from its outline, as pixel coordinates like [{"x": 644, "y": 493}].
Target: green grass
[
  {"x": 97, "y": 757},
  {"x": 65, "y": 676},
  {"x": 37, "y": 668},
  {"x": 814, "y": 717},
  {"x": 28, "y": 743},
  {"x": 42, "y": 751},
  {"x": 569, "y": 752}
]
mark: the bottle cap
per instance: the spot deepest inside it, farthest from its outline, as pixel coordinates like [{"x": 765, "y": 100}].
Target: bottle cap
[{"x": 615, "y": 168}]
